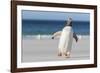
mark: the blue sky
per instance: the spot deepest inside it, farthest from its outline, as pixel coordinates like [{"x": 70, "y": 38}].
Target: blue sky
[{"x": 45, "y": 15}]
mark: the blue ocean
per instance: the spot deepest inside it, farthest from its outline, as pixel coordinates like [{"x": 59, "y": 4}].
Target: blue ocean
[{"x": 48, "y": 27}]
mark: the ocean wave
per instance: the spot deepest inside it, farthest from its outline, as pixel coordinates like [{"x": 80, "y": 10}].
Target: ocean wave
[
  {"x": 38, "y": 36},
  {"x": 48, "y": 36}
]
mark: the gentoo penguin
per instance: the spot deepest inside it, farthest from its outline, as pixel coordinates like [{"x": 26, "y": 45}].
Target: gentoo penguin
[{"x": 66, "y": 39}]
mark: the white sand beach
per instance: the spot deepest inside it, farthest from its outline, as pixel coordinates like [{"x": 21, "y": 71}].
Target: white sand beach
[{"x": 37, "y": 50}]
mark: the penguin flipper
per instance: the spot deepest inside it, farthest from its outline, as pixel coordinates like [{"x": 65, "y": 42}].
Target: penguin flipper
[{"x": 58, "y": 33}]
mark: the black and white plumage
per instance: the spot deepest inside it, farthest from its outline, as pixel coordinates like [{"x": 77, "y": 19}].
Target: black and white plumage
[{"x": 66, "y": 38}]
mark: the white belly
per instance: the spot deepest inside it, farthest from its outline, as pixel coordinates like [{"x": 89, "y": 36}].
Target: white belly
[{"x": 65, "y": 42}]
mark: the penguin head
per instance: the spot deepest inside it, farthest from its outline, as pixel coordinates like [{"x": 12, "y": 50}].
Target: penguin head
[
  {"x": 69, "y": 22},
  {"x": 70, "y": 19}
]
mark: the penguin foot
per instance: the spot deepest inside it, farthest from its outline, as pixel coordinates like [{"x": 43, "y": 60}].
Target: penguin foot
[
  {"x": 59, "y": 54},
  {"x": 67, "y": 55}
]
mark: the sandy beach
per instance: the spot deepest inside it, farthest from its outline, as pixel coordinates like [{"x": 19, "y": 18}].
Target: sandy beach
[{"x": 37, "y": 50}]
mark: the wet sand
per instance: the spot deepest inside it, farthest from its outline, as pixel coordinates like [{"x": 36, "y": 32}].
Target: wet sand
[{"x": 39, "y": 50}]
